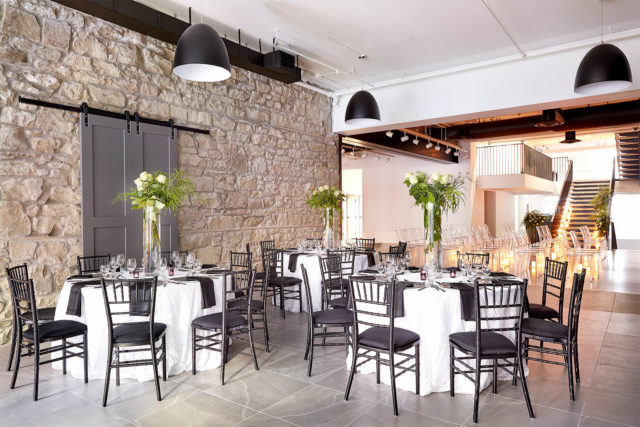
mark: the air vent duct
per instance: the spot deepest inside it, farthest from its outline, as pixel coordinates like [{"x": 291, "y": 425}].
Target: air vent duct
[{"x": 550, "y": 118}]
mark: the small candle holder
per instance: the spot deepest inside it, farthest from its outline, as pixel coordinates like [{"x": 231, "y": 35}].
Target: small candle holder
[
  {"x": 452, "y": 273},
  {"x": 136, "y": 274},
  {"x": 171, "y": 271}
]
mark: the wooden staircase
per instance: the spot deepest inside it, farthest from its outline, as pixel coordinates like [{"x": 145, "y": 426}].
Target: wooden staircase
[
  {"x": 628, "y": 147},
  {"x": 578, "y": 208}
]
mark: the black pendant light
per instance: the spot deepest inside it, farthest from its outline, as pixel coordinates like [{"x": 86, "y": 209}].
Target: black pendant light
[
  {"x": 570, "y": 137},
  {"x": 603, "y": 69},
  {"x": 201, "y": 55},
  {"x": 362, "y": 109}
]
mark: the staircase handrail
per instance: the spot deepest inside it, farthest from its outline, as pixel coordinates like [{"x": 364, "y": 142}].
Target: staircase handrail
[{"x": 562, "y": 200}]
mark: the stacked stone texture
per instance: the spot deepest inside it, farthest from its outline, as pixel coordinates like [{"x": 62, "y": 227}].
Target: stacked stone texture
[{"x": 270, "y": 142}]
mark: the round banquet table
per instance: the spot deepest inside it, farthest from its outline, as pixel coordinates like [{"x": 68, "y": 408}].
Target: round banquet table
[
  {"x": 433, "y": 315},
  {"x": 177, "y": 304},
  {"x": 312, "y": 264}
]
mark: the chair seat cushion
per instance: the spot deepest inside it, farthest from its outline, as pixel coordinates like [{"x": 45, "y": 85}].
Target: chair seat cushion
[
  {"x": 137, "y": 333},
  {"x": 341, "y": 302},
  {"x": 214, "y": 321},
  {"x": 539, "y": 311},
  {"x": 545, "y": 328},
  {"x": 240, "y": 304},
  {"x": 378, "y": 337},
  {"x": 57, "y": 329},
  {"x": 338, "y": 316},
  {"x": 492, "y": 343},
  {"x": 284, "y": 281}
]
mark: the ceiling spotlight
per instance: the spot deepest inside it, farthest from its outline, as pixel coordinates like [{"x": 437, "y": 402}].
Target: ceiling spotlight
[
  {"x": 570, "y": 137},
  {"x": 386, "y": 159},
  {"x": 438, "y": 147},
  {"x": 416, "y": 141},
  {"x": 342, "y": 151},
  {"x": 378, "y": 158},
  {"x": 448, "y": 150},
  {"x": 405, "y": 138},
  {"x": 364, "y": 154},
  {"x": 456, "y": 153},
  {"x": 429, "y": 145},
  {"x": 389, "y": 134}
]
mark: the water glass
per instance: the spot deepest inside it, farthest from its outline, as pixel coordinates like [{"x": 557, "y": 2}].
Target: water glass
[
  {"x": 175, "y": 257},
  {"x": 113, "y": 265},
  {"x": 163, "y": 263},
  {"x": 120, "y": 259},
  {"x": 131, "y": 265},
  {"x": 197, "y": 266},
  {"x": 104, "y": 270},
  {"x": 380, "y": 267}
]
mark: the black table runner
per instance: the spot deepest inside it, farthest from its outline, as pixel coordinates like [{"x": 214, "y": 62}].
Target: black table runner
[
  {"x": 208, "y": 292},
  {"x": 74, "y": 305}
]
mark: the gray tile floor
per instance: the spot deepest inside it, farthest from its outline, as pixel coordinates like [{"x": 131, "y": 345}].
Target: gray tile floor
[{"x": 280, "y": 393}]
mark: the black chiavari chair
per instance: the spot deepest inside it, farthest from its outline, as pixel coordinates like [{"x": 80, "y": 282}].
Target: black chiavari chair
[
  {"x": 347, "y": 263},
  {"x": 555, "y": 277},
  {"x": 373, "y": 307},
  {"x": 31, "y": 333},
  {"x": 242, "y": 261},
  {"x": 557, "y": 333},
  {"x": 212, "y": 332},
  {"x": 499, "y": 306},
  {"x": 473, "y": 258},
  {"x": 45, "y": 314},
  {"x": 92, "y": 263},
  {"x": 365, "y": 244},
  {"x": 334, "y": 288},
  {"x": 279, "y": 285},
  {"x": 130, "y": 307},
  {"x": 336, "y": 318}
]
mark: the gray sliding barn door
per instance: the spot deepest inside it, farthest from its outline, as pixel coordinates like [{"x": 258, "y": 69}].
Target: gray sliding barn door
[{"x": 111, "y": 158}]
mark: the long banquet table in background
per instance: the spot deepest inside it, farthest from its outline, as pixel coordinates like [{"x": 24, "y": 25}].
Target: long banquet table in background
[
  {"x": 433, "y": 315},
  {"x": 312, "y": 264},
  {"x": 177, "y": 304}
]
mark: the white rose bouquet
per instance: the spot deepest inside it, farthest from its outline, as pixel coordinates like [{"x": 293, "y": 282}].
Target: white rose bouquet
[{"x": 326, "y": 197}]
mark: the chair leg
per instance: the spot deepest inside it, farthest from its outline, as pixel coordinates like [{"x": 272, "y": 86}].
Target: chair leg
[
  {"x": 309, "y": 333},
  {"x": 18, "y": 354},
  {"x": 85, "y": 357},
  {"x": 105, "y": 393},
  {"x": 193, "y": 350},
  {"x": 567, "y": 355},
  {"x": 417, "y": 369},
  {"x": 354, "y": 359},
  {"x": 311, "y": 345},
  {"x": 514, "y": 381},
  {"x": 452, "y": 382},
  {"x": 118, "y": 366},
  {"x": 266, "y": 328},
  {"x": 476, "y": 393},
  {"x": 164, "y": 358},
  {"x": 377, "y": 368},
  {"x": 64, "y": 356},
  {"x": 576, "y": 364},
  {"x": 36, "y": 369},
  {"x": 282, "y": 301},
  {"x": 523, "y": 381},
  {"x": 300, "y": 297},
  {"x": 156, "y": 377},
  {"x": 495, "y": 376},
  {"x": 253, "y": 348},
  {"x": 12, "y": 349},
  {"x": 223, "y": 356},
  {"x": 392, "y": 371}
]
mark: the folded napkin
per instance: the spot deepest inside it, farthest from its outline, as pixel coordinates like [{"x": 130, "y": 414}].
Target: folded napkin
[
  {"x": 74, "y": 305},
  {"x": 206, "y": 287},
  {"x": 371, "y": 258},
  {"x": 293, "y": 261},
  {"x": 398, "y": 308},
  {"x": 368, "y": 271},
  {"x": 413, "y": 269},
  {"x": 80, "y": 276},
  {"x": 209, "y": 266},
  {"x": 500, "y": 274},
  {"x": 467, "y": 300}
]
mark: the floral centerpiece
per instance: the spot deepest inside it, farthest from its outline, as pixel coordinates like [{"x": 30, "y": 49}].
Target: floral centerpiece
[
  {"x": 154, "y": 193},
  {"x": 328, "y": 198},
  {"x": 436, "y": 194}
]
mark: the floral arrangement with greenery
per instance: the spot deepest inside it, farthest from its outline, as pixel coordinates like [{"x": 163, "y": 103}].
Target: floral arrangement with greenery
[
  {"x": 531, "y": 220},
  {"x": 443, "y": 191},
  {"x": 326, "y": 196}
]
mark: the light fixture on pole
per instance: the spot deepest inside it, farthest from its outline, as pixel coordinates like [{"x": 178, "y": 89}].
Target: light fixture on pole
[
  {"x": 404, "y": 138},
  {"x": 448, "y": 150},
  {"x": 438, "y": 147},
  {"x": 429, "y": 145},
  {"x": 456, "y": 153},
  {"x": 364, "y": 154},
  {"x": 603, "y": 69},
  {"x": 201, "y": 55},
  {"x": 362, "y": 109},
  {"x": 416, "y": 141},
  {"x": 389, "y": 134}
]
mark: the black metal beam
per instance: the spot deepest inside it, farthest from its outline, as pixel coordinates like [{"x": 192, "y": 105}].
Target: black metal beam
[{"x": 84, "y": 108}]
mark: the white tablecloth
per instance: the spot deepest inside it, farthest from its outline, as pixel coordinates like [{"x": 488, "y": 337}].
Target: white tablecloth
[
  {"x": 177, "y": 304},
  {"x": 312, "y": 264},
  {"x": 433, "y": 315}
]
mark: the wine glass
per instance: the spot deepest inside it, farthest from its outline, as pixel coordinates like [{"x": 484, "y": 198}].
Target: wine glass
[
  {"x": 407, "y": 259},
  {"x": 120, "y": 258},
  {"x": 380, "y": 266},
  {"x": 190, "y": 259},
  {"x": 175, "y": 257},
  {"x": 402, "y": 265},
  {"x": 131, "y": 265},
  {"x": 104, "y": 270},
  {"x": 113, "y": 266},
  {"x": 197, "y": 266}
]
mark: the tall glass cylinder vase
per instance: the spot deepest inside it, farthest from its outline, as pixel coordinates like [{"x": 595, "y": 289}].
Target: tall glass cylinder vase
[
  {"x": 428, "y": 234},
  {"x": 150, "y": 238},
  {"x": 328, "y": 228}
]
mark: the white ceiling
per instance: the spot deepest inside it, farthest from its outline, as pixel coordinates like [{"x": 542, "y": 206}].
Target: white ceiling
[{"x": 402, "y": 38}]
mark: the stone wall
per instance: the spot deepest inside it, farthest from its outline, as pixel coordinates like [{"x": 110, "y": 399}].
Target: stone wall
[{"x": 269, "y": 144}]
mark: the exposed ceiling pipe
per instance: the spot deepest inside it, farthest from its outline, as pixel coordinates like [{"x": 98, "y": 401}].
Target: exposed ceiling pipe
[{"x": 619, "y": 114}]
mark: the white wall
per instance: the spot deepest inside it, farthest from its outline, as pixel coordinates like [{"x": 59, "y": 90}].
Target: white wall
[
  {"x": 590, "y": 163},
  {"x": 387, "y": 205},
  {"x": 624, "y": 214}
]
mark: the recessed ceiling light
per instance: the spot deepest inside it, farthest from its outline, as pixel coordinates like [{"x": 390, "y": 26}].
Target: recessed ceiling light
[
  {"x": 364, "y": 154},
  {"x": 456, "y": 153},
  {"x": 389, "y": 134},
  {"x": 404, "y": 138}
]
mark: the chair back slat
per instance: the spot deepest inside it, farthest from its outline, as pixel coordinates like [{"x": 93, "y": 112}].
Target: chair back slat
[
  {"x": 240, "y": 261},
  {"x": 373, "y": 302},
  {"x": 92, "y": 263},
  {"x": 472, "y": 258},
  {"x": 130, "y": 301},
  {"x": 273, "y": 263},
  {"x": 365, "y": 244},
  {"x": 497, "y": 302},
  {"x": 347, "y": 259},
  {"x": 555, "y": 276}
]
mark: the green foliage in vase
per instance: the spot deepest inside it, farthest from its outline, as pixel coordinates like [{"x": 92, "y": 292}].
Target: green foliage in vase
[
  {"x": 601, "y": 211},
  {"x": 326, "y": 196},
  {"x": 443, "y": 191},
  {"x": 533, "y": 219}
]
